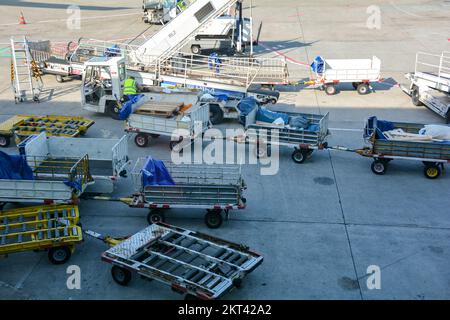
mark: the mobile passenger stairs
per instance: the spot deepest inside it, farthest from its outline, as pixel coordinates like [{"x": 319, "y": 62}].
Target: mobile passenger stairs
[{"x": 26, "y": 80}]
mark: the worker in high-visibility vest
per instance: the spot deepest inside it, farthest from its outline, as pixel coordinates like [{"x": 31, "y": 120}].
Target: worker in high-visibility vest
[
  {"x": 130, "y": 88},
  {"x": 182, "y": 5}
]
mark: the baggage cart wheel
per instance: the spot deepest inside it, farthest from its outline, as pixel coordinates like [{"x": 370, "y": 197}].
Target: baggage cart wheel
[
  {"x": 120, "y": 275},
  {"x": 432, "y": 171},
  {"x": 213, "y": 219},
  {"x": 415, "y": 97},
  {"x": 215, "y": 114},
  {"x": 173, "y": 144},
  {"x": 4, "y": 141},
  {"x": 142, "y": 140},
  {"x": 262, "y": 150},
  {"x": 330, "y": 89},
  {"x": 363, "y": 88},
  {"x": 237, "y": 283},
  {"x": 155, "y": 216},
  {"x": 379, "y": 167},
  {"x": 59, "y": 78},
  {"x": 59, "y": 255},
  {"x": 300, "y": 155}
]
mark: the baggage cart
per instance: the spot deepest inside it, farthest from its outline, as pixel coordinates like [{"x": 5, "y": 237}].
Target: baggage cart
[
  {"x": 191, "y": 263},
  {"x": 181, "y": 126},
  {"x": 329, "y": 73},
  {"x": 303, "y": 141},
  {"x": 22, "y": 126},
  {"x": 108, "y": 158},
  {"x": 53, "y": 228},
  {"x": 432, "y": 154},
  {"x": 216, "y": 188}
]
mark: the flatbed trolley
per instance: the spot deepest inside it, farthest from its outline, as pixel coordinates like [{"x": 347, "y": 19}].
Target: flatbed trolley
[
  {"x": 22, "y": 126},
  {"x": 53, "y": 228},
  {"x": 191, "y": 263}
]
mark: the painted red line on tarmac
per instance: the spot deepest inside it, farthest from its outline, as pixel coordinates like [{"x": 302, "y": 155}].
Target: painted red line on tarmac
[{"x": 278, "y": 53}]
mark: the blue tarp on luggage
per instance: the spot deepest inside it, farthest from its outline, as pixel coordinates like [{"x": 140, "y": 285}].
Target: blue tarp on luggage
[
  {"x": 318, "y": 65},
  {"x": 155, "y": 173},
  {"x": 247, "y": 105},
  {"x": 268, "y": 116},
  {"x": 14, "y": 168},
  {"x": 127, "y": 107}
]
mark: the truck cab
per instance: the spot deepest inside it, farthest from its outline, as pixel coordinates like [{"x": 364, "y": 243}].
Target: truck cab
[{"x": 103, "y": 79}]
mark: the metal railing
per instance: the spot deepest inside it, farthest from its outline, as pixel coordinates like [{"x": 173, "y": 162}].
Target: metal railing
[{"x": 435, "y": 64}]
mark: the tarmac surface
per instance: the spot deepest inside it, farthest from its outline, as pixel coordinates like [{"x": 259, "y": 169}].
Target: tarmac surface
[{"x": 319, "y": 225}]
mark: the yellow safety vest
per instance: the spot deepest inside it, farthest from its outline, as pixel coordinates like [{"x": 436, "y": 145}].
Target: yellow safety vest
[{"x": 129, "y": 87}]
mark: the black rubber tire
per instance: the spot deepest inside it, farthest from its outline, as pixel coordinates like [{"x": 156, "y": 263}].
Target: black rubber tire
[
  {"x": 330, "y": 89},
  {"x": 142, "y": 140},
  {"x": 214, "y": 219},
  {"x": 4, "y": 141},
  {"x": 300, "y": 156},
  {"x": 379, "y": 167},
  {"x": 415, "y": 97},
  {"x": 120, "y": 275},
  {"x": 273, "y": 101},
  {"x": 363, "y": 88},
  {"x": 432, "y": 171},
  {"x": 59, "y": 78},
  {"x": 195, "y": 49},
  {"x": 112, "y": 109},
  {"x": 263, "y": 151},
  {"x": 155, "y": 216},
  {"x": 59, "y": 255},
  {"x": 216, "y": 114}
]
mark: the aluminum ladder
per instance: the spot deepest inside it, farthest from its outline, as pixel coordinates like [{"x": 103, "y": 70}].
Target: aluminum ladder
[{"x": 25, "y": 77}]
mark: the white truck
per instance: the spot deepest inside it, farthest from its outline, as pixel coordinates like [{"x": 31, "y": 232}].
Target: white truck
[
  {"x": 107, "y": 158},
  {"x": 159, "y": 11},
  {"x": 329, "y": 73},
  {"x": 430, "y": 83}
]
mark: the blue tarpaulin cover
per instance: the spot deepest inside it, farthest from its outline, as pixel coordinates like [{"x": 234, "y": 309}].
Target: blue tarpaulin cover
[
  {"x": 268, "y": 116},
  {"x": 14, "y": 168},
  {"x": 379, "y": 126},
  {"x": 318, "y": 65},
  {"x": 127, "y": 107},
  {"x": 155, "y": 173}
]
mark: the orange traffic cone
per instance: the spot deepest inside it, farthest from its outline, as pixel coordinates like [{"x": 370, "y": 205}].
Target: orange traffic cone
[{"x": 22, "y": 19}]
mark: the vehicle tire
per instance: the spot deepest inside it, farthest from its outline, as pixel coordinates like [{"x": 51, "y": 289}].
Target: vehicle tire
[
  {"x": 379, "y": 167},
  {"x": 120, "y": 275},
  {"x": 215, "y": 114},
  {"x": 155, "y": 216},
  {"x": 363, "y": 88},
  {"x": 415, "y": 97},
  {"x": 195, "y": 49},
  {"x": 273, "y": 101},
  {"x": 112, "y": 109},
  {"x": 4, "y": 141},
  {"x": 213, "y": 219},
  {"x": 59, "y": 78},
  {"x": 142, "y": 140},
  {"x": 355, "y": 85},
  {"x": 263, "y": 150},
  {"x": 299, "y": 156},
  {"x": 59, "y": 255},
  {"x": 432, "y": 171},
  {"x": 330, "y": 89}
]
